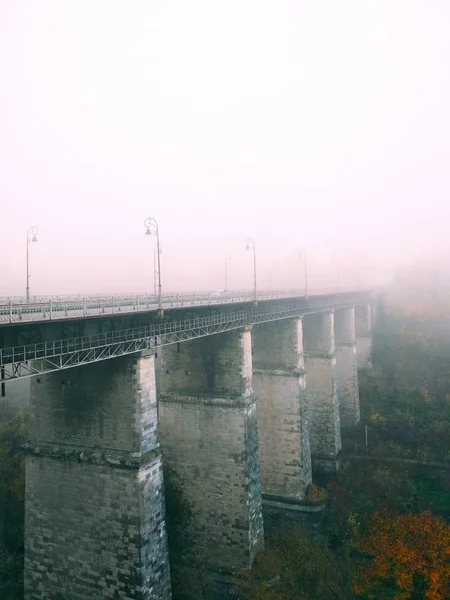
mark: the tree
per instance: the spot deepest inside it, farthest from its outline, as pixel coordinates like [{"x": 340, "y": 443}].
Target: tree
[
  {"x": 406, "y": 557},
  {"x": 11, "y": 575},
  {"x": 361, "y": 488},
  {"x": 13, "y": 432},
  {"x": 293, "y": 566}
]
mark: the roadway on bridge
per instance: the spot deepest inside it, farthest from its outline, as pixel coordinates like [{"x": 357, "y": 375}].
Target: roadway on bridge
[{"x": 18, "y": 311}]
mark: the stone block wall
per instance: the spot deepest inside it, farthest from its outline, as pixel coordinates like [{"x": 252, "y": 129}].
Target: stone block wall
[
  {"x": 347, "y": 385},
  {"x": 346, "y": 372},
  {"x": 321, "y": 390},
  {"x": 94, "y": 502},
  {"x": 109, "y": 404},
  {"x": 209, "y": 438},
  {"x": 318, "y": 334},
  {"x": 212, "y": 447},
  {"x": 363, "y": 323},
  {"x": 94, "y": 531},
  {"x": 323, "y": 409},
  {"x": 220, "y": 364},
  {"x": 344, "y": 327},
  {"x": 278, "y": 345},
  {"x": 283, "y": 433},
  {"x": 279, "y": 385}
]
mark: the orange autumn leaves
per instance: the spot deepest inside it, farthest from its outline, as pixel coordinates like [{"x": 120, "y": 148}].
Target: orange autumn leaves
[{"x": 405, "y": 552}]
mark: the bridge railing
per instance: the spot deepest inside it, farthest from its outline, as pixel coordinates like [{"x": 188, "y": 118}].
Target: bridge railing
[
  {"x": 75, "y": 307},
  {"x": 49, "y": 309}
]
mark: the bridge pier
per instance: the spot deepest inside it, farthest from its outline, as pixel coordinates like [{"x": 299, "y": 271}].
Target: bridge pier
[
  {"x": 346, "y": 372},
  {"x": 321, "y": 390},
  {"x": 363, "y": 324},
  {"x": 279, "y": 384},
  {"x": 210, "y": 441},
  {"x": 94, "y": 499}
]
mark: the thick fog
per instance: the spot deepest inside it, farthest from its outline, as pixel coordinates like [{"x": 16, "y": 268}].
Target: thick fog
[{"x": 311, "y": 126}]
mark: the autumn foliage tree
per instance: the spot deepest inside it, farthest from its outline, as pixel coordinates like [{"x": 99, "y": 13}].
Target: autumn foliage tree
[{"x": 406, "y": 557}]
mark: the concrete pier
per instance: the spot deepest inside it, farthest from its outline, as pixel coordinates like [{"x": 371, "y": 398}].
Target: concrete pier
[
  {"x": 363, "y": 324},
  {"x": 321, "y": 390},
  {"x": 279, "y": 384},
  {"x": 210, "y": 441},
  {"x": 346, "y": 372},
  {"x": 94, "y": 500}
]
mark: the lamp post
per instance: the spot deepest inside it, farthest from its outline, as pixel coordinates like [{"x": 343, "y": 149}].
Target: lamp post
[
  {"x": 305, "y": 272},
  {"x": 338, "y": 275},
  {"x": 227, "y": 258},
  {"x": 154, "y": 271},
  {"x": 270, "y": 276},
  {"x": 250, "y": 245},
  {"x": 152, "y": 228},
  {"x": 31, "y": 237}
]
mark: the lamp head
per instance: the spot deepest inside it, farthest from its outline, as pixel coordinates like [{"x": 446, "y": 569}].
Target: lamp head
[
  {"x": 34, "y": 238},
  {"x": 249, "y": 243},
  {"x": 148, "y": 232}
]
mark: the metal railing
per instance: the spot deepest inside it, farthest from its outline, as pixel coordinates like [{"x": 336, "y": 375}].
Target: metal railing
[
  {"x": 47, "y": 309},
  {"x": 31, "y": 359}
]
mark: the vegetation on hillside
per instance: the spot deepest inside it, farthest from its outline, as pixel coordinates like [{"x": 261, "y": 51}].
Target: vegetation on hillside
[{"x": 295, "y": 566}]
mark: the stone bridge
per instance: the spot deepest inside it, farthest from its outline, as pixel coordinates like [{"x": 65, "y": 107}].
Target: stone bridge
[{"x": 244, "y": 401}]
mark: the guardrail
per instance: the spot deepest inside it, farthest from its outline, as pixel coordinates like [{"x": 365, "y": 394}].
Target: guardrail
[
  {"x": 121, "y": 296},
  {"x": 32, "y": 359},
  {"x": 76, "y": 307}
]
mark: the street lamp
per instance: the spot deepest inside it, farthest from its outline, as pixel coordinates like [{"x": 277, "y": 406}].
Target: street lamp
[
  {"x": 152, "y": 228},
  {"x": 305, "y": 272},
  {"x": 270, "y": 275},
  {"x": 338, "y": 275},
  {"x": 227, "y": 258},
  {"x": 155, "y": 270},
  {"x": 31, "y": 237},
  {"x": 250, "y": 245}
]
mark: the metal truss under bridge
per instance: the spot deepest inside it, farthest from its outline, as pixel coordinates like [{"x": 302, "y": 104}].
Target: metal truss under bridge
[
  {"x": 17, "y": 310},
  {"x": 33, "y": 359}
]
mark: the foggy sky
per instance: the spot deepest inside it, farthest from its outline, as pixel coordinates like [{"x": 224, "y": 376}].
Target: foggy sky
[{"x": 316, "y": 125}]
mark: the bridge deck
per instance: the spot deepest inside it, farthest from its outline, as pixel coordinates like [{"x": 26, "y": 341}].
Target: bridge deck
[
  {"x": 32, "y": 359},
  {"x": 43, "y": 309},
  {"x": 70, "y": 308}
]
